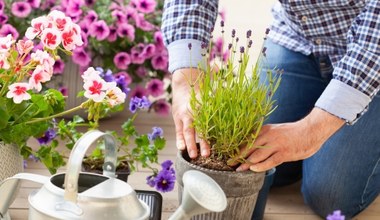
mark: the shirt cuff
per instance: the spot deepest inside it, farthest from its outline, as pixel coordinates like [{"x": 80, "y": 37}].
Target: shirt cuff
[
  {"x": 181, "y": 57},
  {"x": 343, "y": 101}
]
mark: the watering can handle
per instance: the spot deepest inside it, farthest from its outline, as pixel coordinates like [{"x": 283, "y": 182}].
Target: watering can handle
[{"x": 76, "y": 157}]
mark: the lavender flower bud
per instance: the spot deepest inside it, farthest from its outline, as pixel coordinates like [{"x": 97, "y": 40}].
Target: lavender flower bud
[
  {"x": 189, "y": 46},
  {"x": 203, "y": 45},
  {"x": 250, "y": 43},
  {"x": 249, "y": 33},
  {"x": 237, "y": 39},
  {"x": 229, "y": 46},
  {"x": 222, "y": 23},
  {"x": 233, "y": 33},
  {"x": 241, "y": 49},
  {"x": 267, "y": 31}
]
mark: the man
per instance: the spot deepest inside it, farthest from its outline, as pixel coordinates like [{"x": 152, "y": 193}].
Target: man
[{"x": 328, "y": 114}]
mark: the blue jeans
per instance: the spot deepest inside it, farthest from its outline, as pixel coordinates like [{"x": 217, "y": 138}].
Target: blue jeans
[{"x": 345, "y": 173}]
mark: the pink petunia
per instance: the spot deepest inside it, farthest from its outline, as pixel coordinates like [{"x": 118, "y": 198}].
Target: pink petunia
[
  {"x": 141, "y": 72},
  {"x": 91, "y": 17},
  {"x": 161, "y": 107},
  {"x": 21, "y": 9},
  {"x": 7, "y": 29},
  {"x": 126, "y": 30},
  {"x": 158, "y": 40},
  {"x": 19, "y": 92},
  {"x": 99, "y": 29},
  {"x": 34, "y": 3},
  {"x": 160, "y": 62},
  {"x": 59, "y": 67},
  {"x": 155, "y": 87},
  {"x": 81, "y": 57},
  {"x": 119, "y": 16},
  {"x": 137, "y": 55},
  {"x": 139, "y": 92},
  {"x": 3, "y": 18},
  {"x": 149, "y": 50},
  {"x": 113, "y": 34},
  {"x": 145, "y": 6},
  {"x": 73, "y": 8},
  {"x": 63, "y": 90},
  {"x": 144, "y": 24},
  {"x": 2, "y": 6},
  {"x": 122, "y": 60}
]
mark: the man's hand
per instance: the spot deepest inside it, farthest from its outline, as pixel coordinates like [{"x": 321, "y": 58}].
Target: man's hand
[
  {"x": 182, "y": 80},
  {"x": 291, "y": 141}
]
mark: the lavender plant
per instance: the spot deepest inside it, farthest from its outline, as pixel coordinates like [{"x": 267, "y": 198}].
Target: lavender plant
[{"x": 230, "y": 105}]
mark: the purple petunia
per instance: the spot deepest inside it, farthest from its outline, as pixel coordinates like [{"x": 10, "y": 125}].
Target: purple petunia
[
  {"x": 64, "y": 90},
  {"x": 2, "y": 6},
  {"x": 126, "y": 30},
  {"x": 58, "y": 67},
  {"x": 157, "y": 132},
  {"x": 161, "y": 107},
  {"x": 138, "y": 103},
  {"x": 160, "y": 62},
  {"x": 337, "y": 215},
  {"x": 99, "y": 29},
  {"x": 34, "y": 3},
  {"x": 139, "y": 91},
  {"x": 47, "y": 137},
  {"x": 81, "y": 57},
  {"x": 3, "y": 19}
]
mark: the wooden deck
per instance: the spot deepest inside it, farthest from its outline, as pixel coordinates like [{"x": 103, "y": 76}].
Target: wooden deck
[{"x": 283, "y": 203}]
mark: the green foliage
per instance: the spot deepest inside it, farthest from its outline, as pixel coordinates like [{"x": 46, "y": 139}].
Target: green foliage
[{"x": 230, "y": 105}]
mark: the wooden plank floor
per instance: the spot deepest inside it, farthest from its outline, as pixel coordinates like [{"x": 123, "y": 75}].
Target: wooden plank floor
[{"x": 283, "y": 203}]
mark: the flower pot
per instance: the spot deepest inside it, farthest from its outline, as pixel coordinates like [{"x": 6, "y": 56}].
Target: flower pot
[
  {"x": 258, "y": 212},
  {"x": 11, "y": 162},
  {"x": 241, "y": 189}
]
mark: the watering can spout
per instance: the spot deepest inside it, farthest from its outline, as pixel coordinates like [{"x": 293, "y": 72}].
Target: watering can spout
[{"x": 9, "y": 189}]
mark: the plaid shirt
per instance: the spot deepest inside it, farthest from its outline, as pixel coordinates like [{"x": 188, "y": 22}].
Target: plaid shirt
[{"x": 348, "y": 31}]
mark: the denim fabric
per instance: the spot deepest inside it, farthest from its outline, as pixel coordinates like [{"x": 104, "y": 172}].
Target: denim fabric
[{"x": 345, "y": 173}]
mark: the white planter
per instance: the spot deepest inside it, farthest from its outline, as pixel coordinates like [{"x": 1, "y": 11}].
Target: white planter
[{"x": 11, "y": 162}]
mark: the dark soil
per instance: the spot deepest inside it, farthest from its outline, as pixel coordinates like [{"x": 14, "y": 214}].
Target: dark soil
[
  {"x": 96, "y": 165},
  {"x": 212, "y": 162}
]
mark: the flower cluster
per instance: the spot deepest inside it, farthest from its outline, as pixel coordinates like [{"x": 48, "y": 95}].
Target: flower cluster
[
  {"x": 165, "y": 179},
  {"x": 124, "y": 36}
]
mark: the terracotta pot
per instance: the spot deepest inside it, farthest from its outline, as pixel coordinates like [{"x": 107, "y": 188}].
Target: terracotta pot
[
  {"x": 241, "y": 189},
  {"x": 11, "y": 162}
]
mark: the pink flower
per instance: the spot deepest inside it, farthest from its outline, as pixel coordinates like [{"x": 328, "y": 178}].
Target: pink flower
[
  {"x": 113, "y": 34},
  {"x": 34, "y": 3},
  {"x": 138, "y": 91},
  {"x": 141, "y": 71},
  {"x": 19, "y": 92},
  {"x": 99, "y": 29},
  {"x": 51, "y": 38},
  {"x": 158, "y": 40},
  {"x": 95, "y": 88},
  {"x": 44, "y": 59},
  {"x": 115, "y": 96},
  {"x": 73, "y": 8},
  {"x": 8, "y": 29},
  {"x": 39, "y": 76},
  {"x": 90, "y": 73},
  {"x": 124, "y": 75},
  {"x": 160, "y": 62},
  {"x": 137, "y": 55},
  {"x": 126, "y": 30},
  {"x": 91, "y": 17},
  {"x": 71, "y": 37},
  {"x": 120, "y": 16},
  {"x": 161, "y": 107},
  {"x": 21, "y": 9},
  {"x": 63, "y": 90},
  {"x": 37, "y": 26},
  {"x": 155, "y": 87},
  {"x": 81, "y": 57},
  {"x": 144, "y": 24},
  {"x": 59, "y": 19},
  {"x": 2, "y": 6},
  {"x": 145, "y": 6},
  {"x": 24, "y": 46},
  {"x": 6, "y": 43},
  {"x": 149, "y": 50},
  {"x": 3, "y": 18},
  {"x": 58, "y": 67},
  {"x": 122, "y": 60},
  {"x": 4, "y": 64}
]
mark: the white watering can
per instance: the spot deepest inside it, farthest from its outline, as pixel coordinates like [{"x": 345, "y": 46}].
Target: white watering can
[{"x": 79, "y": 195}]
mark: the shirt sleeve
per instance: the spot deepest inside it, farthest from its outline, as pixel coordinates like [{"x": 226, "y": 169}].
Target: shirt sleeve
[
  {"x": 356, "y": 76},
  {"x": 185, "y": 22}
]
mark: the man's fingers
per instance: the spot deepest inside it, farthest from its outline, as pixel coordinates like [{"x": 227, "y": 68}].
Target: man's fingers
[
  {"x": 180, "y": 140},
  {"x": 189, "y": 136},
  {"x": 205, "y": 148},
  {"x": 267, "y": 164}
]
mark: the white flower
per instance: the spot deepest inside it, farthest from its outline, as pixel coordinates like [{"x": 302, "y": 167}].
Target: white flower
[
  {"x": 19, "y": 92},
  {"x": 95, "y": 88},
  {"x": 114, "y": 95},
  {"x": 51, "y": 38},
  {"x": 39, "y": 76},
  {"x": 38, "y": 25},
  {"x": 6, "y": 43}
]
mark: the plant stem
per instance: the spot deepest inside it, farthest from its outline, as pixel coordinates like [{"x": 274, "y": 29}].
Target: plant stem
[{"x": 55, "y": 116}]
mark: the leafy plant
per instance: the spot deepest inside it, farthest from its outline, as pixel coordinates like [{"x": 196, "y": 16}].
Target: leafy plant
[{"x": 230, "y": 105}]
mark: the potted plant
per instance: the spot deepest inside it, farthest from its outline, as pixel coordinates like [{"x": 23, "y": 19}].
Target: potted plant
[
  {"x": 29, "y": 109},
  {"x": 229, "y": 106}
]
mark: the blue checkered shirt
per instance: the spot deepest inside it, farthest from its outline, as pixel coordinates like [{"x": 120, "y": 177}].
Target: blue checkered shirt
[{"x": 348, "y": 31}]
